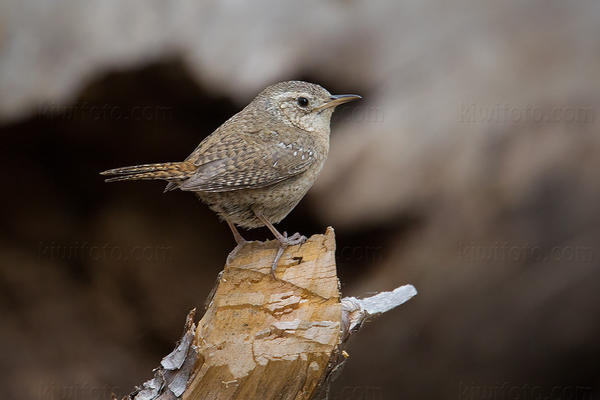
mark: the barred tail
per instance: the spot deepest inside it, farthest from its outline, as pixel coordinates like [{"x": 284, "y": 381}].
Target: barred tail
[{"x": 171, "y": 171}]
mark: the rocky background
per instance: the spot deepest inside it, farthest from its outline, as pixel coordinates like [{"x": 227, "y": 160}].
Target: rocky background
[{"x": 470, "y": 169}]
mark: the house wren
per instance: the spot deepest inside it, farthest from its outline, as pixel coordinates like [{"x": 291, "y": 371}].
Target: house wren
[{"x": 255, "y": 168}]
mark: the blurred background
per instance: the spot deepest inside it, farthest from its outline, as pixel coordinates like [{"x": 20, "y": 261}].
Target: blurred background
[{"x": 470, "y": 169}]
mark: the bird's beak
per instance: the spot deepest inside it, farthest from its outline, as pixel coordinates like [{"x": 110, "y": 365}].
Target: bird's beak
[{"x": 336, "y": 100}]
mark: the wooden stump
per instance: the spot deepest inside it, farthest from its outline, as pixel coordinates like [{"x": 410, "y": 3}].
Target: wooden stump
[{"x": 265, "y": 338}]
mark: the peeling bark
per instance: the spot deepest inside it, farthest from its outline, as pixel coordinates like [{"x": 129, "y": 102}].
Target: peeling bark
[{"x": 262, "y": 338}]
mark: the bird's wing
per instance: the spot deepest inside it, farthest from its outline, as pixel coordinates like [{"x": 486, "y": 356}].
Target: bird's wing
[{"x": 249, "y": 160}]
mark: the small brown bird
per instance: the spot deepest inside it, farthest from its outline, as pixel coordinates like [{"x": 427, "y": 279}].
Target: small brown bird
[{"x": 256, "y": 167}]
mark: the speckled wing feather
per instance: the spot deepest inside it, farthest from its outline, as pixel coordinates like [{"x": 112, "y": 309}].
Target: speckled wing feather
[{"x": 249, "y": 160}]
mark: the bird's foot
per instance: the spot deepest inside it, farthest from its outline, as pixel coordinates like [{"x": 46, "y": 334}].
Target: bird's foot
[
  {"x": 236, "y": 249},
  {"x": 276, "y": 260},
  {"x": 293, "y": 240},
  {"x": 284, "y": 243}
]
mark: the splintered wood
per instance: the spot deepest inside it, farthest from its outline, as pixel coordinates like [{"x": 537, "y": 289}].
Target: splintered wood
[{"x": 263, "y": 338}]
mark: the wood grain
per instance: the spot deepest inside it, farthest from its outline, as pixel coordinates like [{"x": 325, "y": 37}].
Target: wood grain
[{"x": 263, "y": 338}]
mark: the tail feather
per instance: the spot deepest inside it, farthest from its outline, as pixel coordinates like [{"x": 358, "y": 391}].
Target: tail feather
[{"x": 171, "y": 171}]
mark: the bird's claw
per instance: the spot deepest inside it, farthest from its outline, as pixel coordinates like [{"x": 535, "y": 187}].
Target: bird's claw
[
  {"x": 293, "y": 240},
  {"x": 276, "y": 261}
]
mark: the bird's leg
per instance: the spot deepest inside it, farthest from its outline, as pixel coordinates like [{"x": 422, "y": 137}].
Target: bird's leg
[
  {"x": 236, "y": 234},
  {"x": 284, "y": 240},
  {"x": 296, "y": 238},
  {"x": 239, "y": 240}
]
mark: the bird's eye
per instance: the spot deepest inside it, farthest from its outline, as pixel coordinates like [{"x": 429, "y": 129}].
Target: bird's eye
[{"x": 302, "y": 101}]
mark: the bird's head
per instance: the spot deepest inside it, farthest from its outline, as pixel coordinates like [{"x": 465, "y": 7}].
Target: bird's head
[{"x": 302, "y": 104}]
